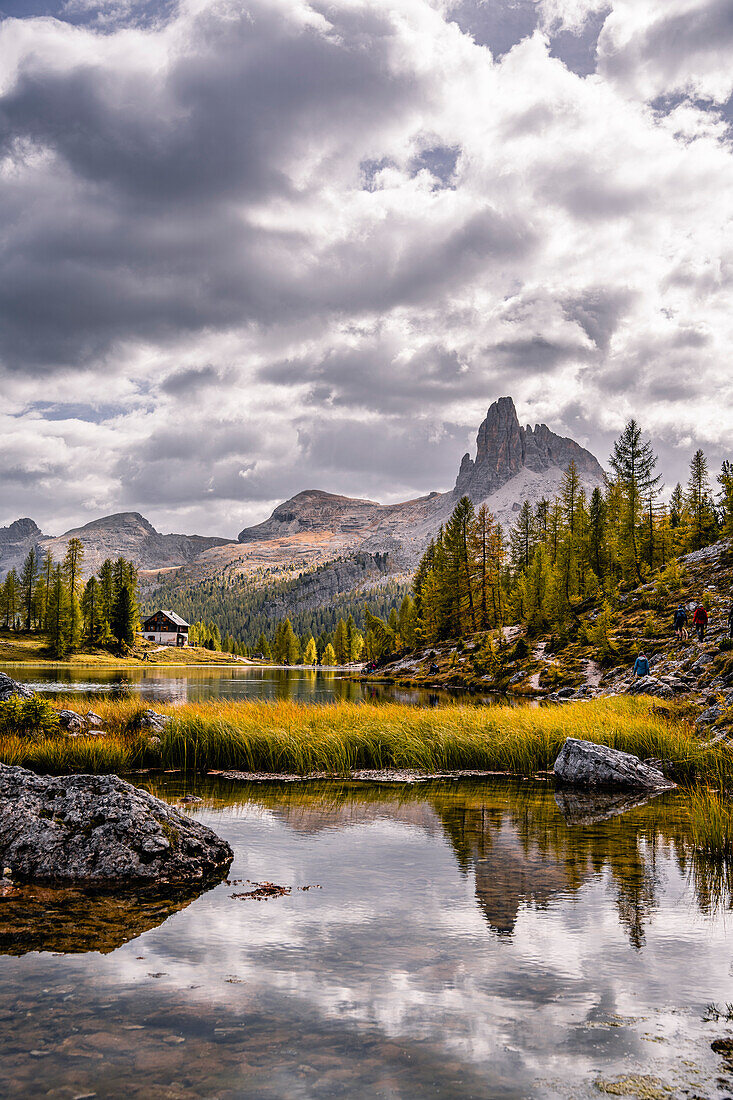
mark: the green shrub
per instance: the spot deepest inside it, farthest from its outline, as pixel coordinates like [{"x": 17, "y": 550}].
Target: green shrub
[{"x": 28, "y": 718}]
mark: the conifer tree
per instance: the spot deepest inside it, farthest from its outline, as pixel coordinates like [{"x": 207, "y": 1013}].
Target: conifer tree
[
  {"x": 633, "y": 462},
  {"x": 59, "y": 616},
  {"x": 10, "y": 600},
  {"x": 725, "y": 481},
  {"x": 340, "y": 642},
  {"x": 699, "y": 501},
  {"x": 91, "y": 607},
  {"x": 263, "y": 648},
  {"x": 72, "y": 569},
  {"x": 28, "y": 586},
  {"x": 329, "y": 657},
  {"x": 310, "y": 653}
]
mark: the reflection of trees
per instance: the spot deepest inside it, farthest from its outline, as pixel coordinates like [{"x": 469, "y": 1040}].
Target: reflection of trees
[
  {"x": 532, "y": 854},
  {"x": 523, "y": 846}
]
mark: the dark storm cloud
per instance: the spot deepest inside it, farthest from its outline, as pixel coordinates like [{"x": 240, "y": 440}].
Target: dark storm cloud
[
  {"x": 139, "y": 237},
  {"x": 186, "y": 381},
  {"x": 370, "y": 377},
  {"x": 599, "y": 311},
  {"x": 536, "y": 353}
]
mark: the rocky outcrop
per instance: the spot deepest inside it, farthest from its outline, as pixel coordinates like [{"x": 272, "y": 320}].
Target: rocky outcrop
[
  {"x": 503, "y": 448},
  {"x": 15, "y": 542},
  {"x": 100, "y": 829},
  {"x": 585, "y": 764},
  {"x": 10, "y": 689},
  {"x": 314, "y": 510}
]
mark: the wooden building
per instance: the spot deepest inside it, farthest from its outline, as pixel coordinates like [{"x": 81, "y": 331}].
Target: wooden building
[{"x": 166, "y": 628}]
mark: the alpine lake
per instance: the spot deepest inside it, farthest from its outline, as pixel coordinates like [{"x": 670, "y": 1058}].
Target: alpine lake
[{"x": 454, "y": 939}]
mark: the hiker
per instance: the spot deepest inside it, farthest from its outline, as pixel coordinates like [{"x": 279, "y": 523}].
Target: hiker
[
  {"x": 680, "y": 622},
  {"x": 700, "y": 621},
  {"x": 641, "y": 666},
  {"x": 730, "y": 622}
]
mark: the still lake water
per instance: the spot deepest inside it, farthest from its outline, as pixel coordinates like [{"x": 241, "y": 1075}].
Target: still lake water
[
  {"x": 182, "y": 685},
  {"x": 466, "y": 941}
]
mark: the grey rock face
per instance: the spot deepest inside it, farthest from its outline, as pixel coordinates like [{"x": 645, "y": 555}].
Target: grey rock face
[
  {"x": 10, "y": 688},
  {"x": 503, "y": 448},
  {"x": 584, "y": 764},
  {"x": 100, "y": 829}
]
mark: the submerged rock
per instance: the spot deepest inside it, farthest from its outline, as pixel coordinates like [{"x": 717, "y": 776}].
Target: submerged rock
[
  {"x": 99, "y": 829},
  {"x": 74, "y": 919},
  {"x": 585, "y": 764},
  {"x": 10, "y": 688}
]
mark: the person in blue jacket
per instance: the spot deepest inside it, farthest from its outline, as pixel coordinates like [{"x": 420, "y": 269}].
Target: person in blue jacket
[
  {"x": 641, "y": 667},
  {"x": 680, "y": 622}
]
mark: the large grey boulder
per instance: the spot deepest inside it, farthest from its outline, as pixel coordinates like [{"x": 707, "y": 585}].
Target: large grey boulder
[
  {"x": 100, "y": 829},
  {"x": 10, "y": 688},
  {"x": 585, "y": 764}
]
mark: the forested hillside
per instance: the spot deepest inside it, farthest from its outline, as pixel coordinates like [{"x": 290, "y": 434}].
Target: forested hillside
[{"x": 246, "y": 607}]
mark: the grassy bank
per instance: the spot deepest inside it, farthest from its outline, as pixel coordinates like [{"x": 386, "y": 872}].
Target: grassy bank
[
  {"x": 33, "y": 649},
  {"x": 341, "y": 737}
]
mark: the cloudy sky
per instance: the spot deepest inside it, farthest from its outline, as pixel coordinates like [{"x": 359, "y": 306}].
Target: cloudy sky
[{"x": 255, "y": 246}]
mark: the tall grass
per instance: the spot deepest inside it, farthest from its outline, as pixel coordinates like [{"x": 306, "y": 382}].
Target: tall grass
[{"x": 337, "y": 738}]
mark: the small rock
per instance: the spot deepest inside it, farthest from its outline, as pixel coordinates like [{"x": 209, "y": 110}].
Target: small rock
[
  {"x": 649, "y": 685},
  {"x": 72, "y": 722},
  {"x": 712, "y": 714},
  {"x": 93, "y": 720},
  {"x": 152, "y": 720}
]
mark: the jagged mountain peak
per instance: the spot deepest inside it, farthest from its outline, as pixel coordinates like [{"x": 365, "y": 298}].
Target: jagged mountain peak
[{"x": 503, "y": 448}]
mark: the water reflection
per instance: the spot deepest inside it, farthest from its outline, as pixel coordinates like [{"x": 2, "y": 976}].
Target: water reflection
[
  {"x": 164, "y": 684},
  {"x": 467, "y": 941}
]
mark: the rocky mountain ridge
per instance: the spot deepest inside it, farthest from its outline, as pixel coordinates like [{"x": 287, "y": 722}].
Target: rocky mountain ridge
[
  {"x": 512, "y": 464},
  {"x": 124, "y": 534}
]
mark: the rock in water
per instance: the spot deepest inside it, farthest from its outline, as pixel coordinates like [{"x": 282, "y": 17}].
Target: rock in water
[
  {"x": 100, "y": 829},
  {"x": 9, "y": 688},
  {"x": 584, "y": 764}
]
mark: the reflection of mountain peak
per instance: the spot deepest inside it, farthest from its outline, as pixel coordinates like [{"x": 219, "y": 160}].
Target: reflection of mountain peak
[{"x": 509, "y": 876}]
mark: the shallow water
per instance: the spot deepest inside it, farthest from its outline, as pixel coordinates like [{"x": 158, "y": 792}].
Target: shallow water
[
  {"x": 465, "y": 942},
  {"x": 165, "y": 684}
]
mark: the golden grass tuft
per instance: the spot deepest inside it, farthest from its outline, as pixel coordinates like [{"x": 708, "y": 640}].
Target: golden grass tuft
[{"x": 285, "y": 736}]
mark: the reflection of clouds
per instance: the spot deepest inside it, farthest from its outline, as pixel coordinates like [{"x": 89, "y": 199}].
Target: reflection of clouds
[{"x": 397, "y": 942}]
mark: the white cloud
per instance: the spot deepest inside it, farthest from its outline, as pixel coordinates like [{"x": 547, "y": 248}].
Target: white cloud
[{"x": 258, "y": 228}]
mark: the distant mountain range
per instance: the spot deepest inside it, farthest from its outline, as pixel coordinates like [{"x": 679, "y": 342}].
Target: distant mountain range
[
  {"x": 512, "y": 464},
  {"x": 125, "y": 534}
]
